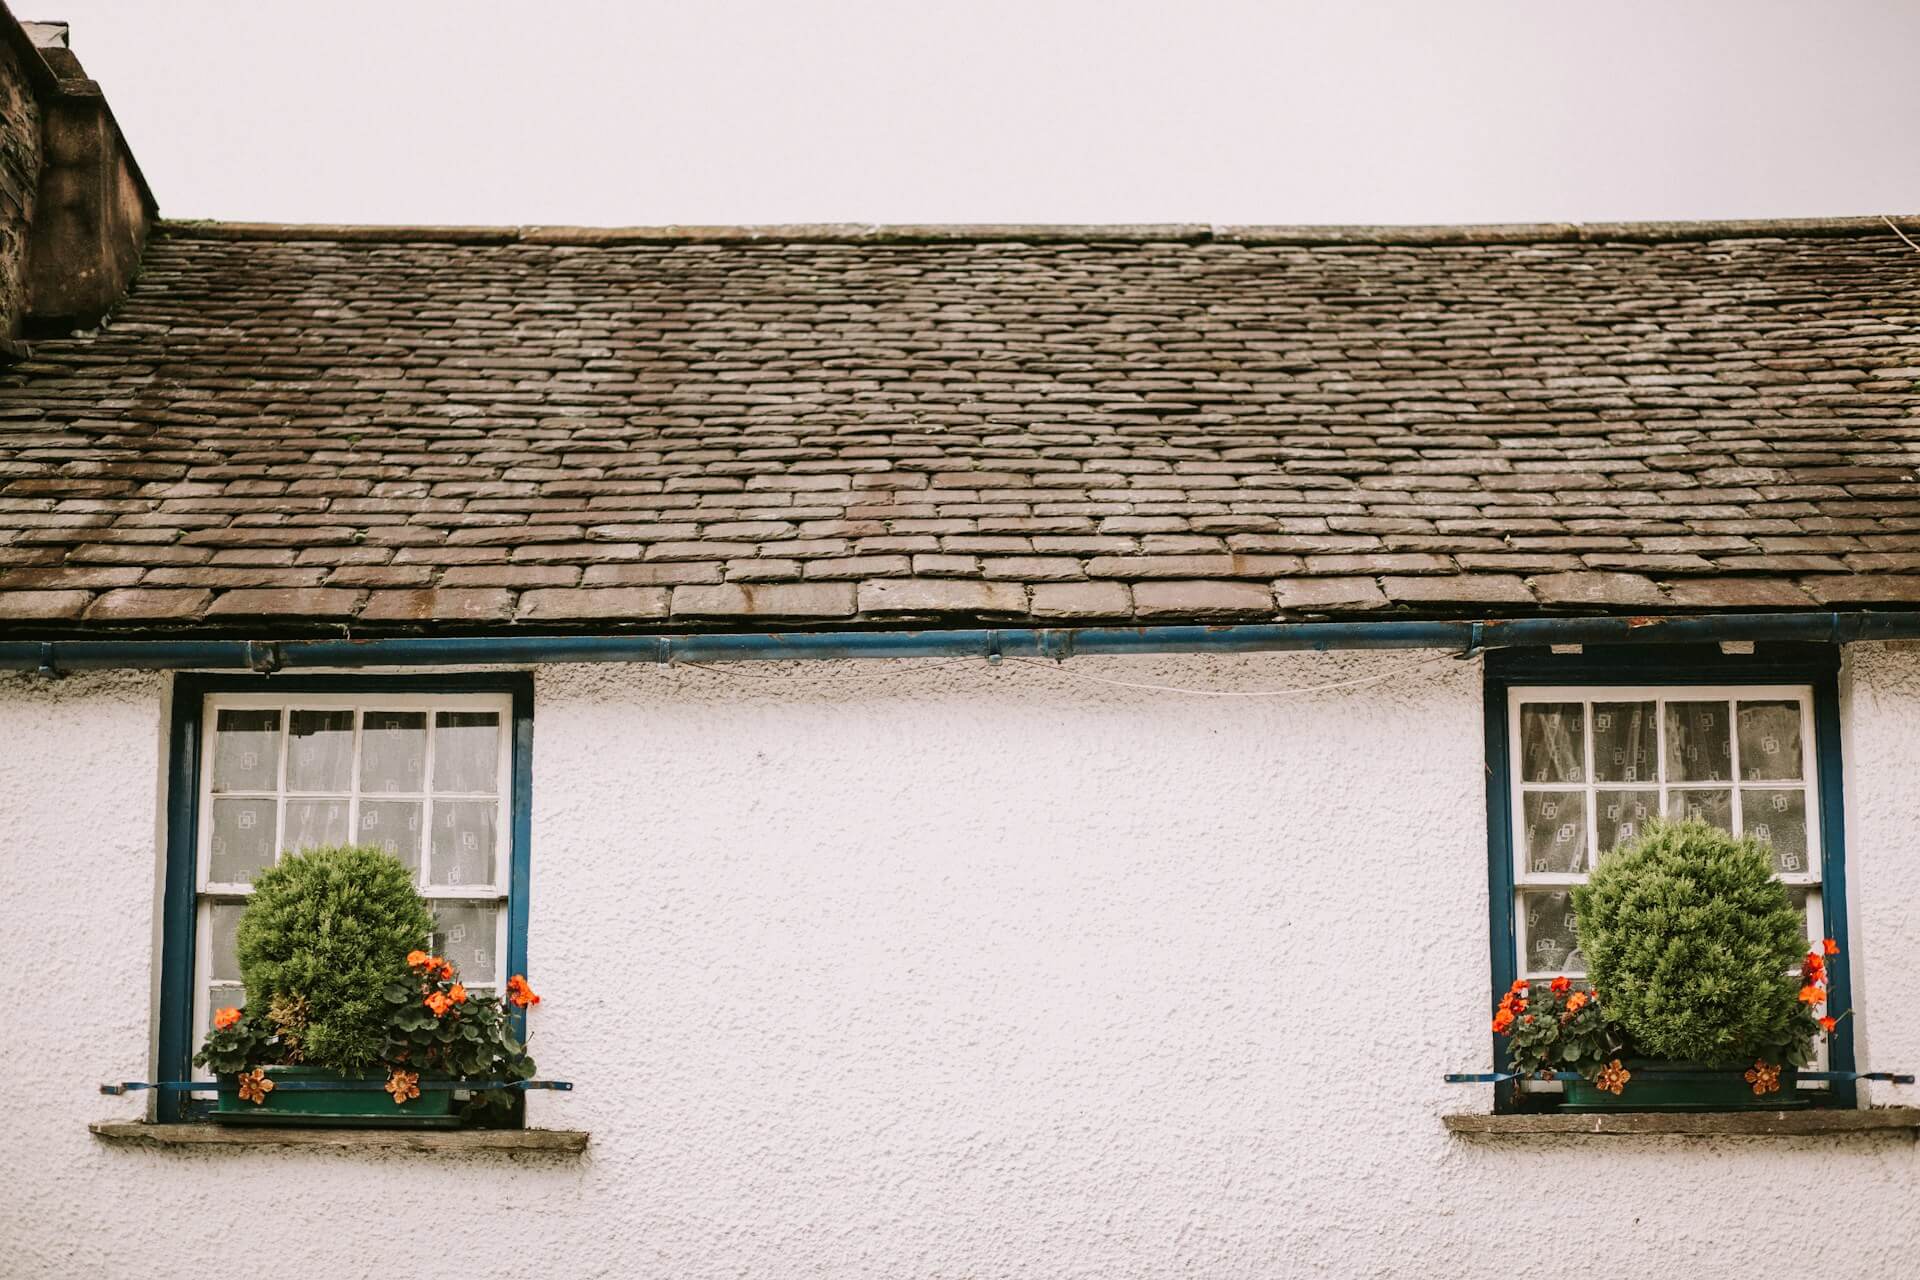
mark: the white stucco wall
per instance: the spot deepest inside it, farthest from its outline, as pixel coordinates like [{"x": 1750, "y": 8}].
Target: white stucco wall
[{"x": 930, "y": 969}]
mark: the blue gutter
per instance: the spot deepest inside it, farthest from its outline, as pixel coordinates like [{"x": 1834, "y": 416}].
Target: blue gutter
[{"x": 988, "y": 643}]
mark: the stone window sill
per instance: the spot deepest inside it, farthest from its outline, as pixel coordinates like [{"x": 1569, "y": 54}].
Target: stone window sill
[
  {"x": 1729, "y": 1124},
  {"x": 538, "y": 1142}
]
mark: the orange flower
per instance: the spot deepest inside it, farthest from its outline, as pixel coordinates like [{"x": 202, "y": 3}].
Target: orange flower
[
  {"x": 439, "y": 1002},
  {"x": 254, "y": 1086},
  {"x": 446, "y": 970},
  {"x": 1832, "y": 947},
  {"x": 1559, "y": 985},
  {"x": 1763, "y": 1078},
  {"x": 1814, "y": 967},
  {"x": 521, "y": 994},
  {"x": 403, "y": 1085},
  {"x": 1811, "y": 994},
  {"x": 224, "y": 1018},
  {"x": 1827, "y": 1024},
  {"x": 457, "y": 993},
  {"x": 1519, "y": 986},
  {"x": 417, "y": 958},
  {"x": 1502, "y": 1021},
  {"x": 1576, "y": 1002},
  {"x": 1613, "y": 1078}
]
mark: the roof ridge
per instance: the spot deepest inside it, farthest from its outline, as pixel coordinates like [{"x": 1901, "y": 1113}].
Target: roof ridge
[{"x": 1043, "y": 233}]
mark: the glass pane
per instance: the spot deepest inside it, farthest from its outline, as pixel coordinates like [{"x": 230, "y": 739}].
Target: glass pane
[
  {"x": 1552, "y": 742},
  {"x": 316, "y": 824},
  {"x": 222, "y": 919},
  {"x": 320, "y": 751},
  {"x": 1778, "y": 818},
  {"x": 393, "y": 825},
  {"x": 393, "y": 751},
  {"x": 246, "y": 751},
  {"x": 1623, "y": 741},
  {"x": 223, "y": 996},
  {"x": 1715, "y": 808},
  {"x": 1619, "y": 816},
  {"x": 1556, "y": 831},
  {"x": 1550, "y": 941},
  {"x": 1770, "y": 741},
  {"x": 466, "y": 751},
  {"x": 462, "y": 842},
  {"x": 242, "y": 841},
  {"x": 466, "y": 935},
  {"x": 1698, "y": 746}
]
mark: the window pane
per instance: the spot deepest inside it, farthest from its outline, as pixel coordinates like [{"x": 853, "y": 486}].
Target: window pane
[
  {"x": 1623, "y": 742},
  {"x": 223, "y": 918},
  {"x": 1556, "y": 831},
  {"x": 1550, "y": 941},
  {"x": 1770, "y": 741},
  {"x": 393, "y": 751},
  {"x": 246, "y": 751},
  {"x": 242, "y": 841},
  {"x": 1715, "y": 808},
  {"x": 466, "y": 751},
  {"x": 1552, "y": 742},
  {"x": 463, "y": 842},
  {"x": 1698, "y": 746},
  {"x": 393, "y": 825},
  {"x": 1778, "y": 818},
  {"x": 319, "y": 750},
  {"x": 1619, "y": 816},
  {"x": 466, "y": 935},
  {"x": 316, "y": 824},
  {"x": 222, "y": 996}
]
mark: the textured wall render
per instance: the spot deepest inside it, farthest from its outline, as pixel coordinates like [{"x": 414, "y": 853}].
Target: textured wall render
[{"x": 929, "y": 969}]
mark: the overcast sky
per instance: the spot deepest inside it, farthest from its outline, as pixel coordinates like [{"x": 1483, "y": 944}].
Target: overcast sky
[{"x": 1265, "y": 111}]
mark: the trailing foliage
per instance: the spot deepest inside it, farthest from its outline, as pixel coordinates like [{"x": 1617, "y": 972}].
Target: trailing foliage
[
  {"x": 1691, "y": 942},
  {"x": 325, "y": 934}
]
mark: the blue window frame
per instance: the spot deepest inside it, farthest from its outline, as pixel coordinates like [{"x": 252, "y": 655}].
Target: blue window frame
[
  {"x": 191, "y": 847},
  {"x": 1806, "y": 676}
]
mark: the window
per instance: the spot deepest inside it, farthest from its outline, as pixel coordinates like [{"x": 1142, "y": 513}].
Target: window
[
  {"x": 434, "y": 771},
  {"x": 1593, "y": 765},
  {"x": 1583, "y": 750}
]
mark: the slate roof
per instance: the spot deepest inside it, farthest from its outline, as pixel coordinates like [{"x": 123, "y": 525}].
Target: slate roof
[{"x": 288, "y": 429}]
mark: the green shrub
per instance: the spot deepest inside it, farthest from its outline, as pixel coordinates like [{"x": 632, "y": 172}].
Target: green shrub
[
  {"x": 1690, "y": 942},
  {"x": 326, "y": 933}
]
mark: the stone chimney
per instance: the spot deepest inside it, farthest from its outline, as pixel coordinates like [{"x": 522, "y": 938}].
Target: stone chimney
[{"x": 74, "y": 208}]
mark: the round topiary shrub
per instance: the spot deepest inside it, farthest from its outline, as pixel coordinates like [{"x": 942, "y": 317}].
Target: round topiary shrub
[
  {"x": 325, "y": 934},
  {"x": 1690, "y": 943}
]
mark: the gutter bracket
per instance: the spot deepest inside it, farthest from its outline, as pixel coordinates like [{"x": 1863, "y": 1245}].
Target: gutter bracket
[
  {"x": 264, "y": 656},
  {"x": 47, "y": 670},
  {"x": 993, "y": 648},
  {"x": 1476, "y": 645},
  {"x": 1056, "y": 644},
  {"x": 662, "y": 652}
]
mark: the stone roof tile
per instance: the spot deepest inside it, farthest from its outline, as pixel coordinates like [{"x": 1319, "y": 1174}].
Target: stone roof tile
[{"x": 471, "y": 430}]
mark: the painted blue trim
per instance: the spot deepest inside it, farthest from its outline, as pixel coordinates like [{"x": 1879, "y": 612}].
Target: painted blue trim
[
  {"x": 1814, "y": 665},
  {"x": 1833, "y": 877},
  {"x": 175, "y": 1043},
  {"x": 1500, "y": 888},
  {"x": 1046, "y": 642},
  {"x": 179, "y": 918}
]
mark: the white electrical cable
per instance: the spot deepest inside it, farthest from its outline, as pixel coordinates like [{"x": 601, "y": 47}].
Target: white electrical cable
[{"x": 1063, "y": 669}]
